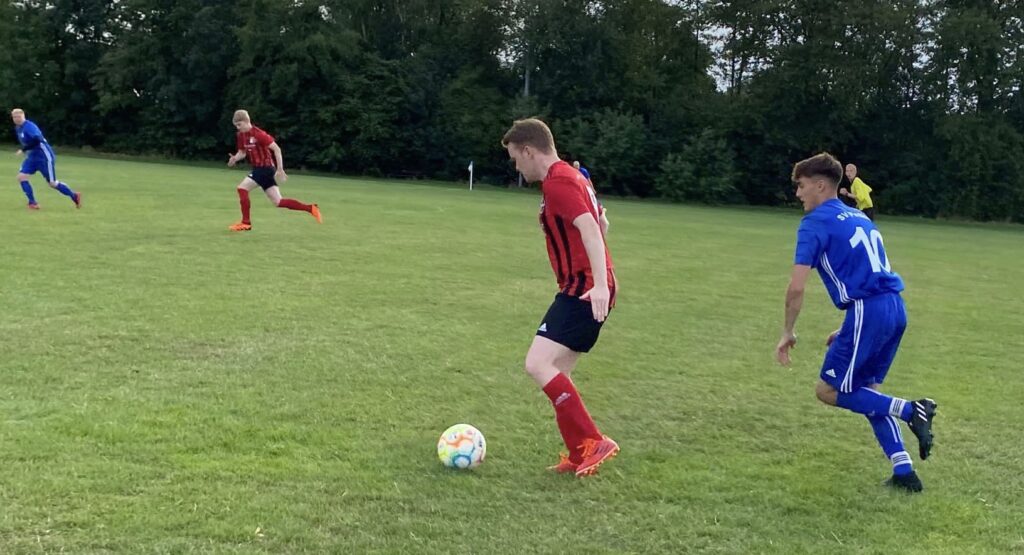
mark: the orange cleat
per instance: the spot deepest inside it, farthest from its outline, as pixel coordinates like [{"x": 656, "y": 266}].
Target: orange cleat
[
  {"x": 595, "y": 453},
  {"x": 241, "y": 226},
  {"x": 564, "y": 465},
  {"x": 33, "y": 206},
  {"x": 78, "y": 200},
  {"x": 316, "y": 214}
]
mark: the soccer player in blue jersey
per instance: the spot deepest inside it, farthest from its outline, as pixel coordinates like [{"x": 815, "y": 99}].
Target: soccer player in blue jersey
[
  {"x": 847, "y": 250},
  {"x": 39, "y": 157}
]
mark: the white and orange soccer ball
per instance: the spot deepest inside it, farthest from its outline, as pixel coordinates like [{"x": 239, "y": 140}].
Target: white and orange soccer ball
[{"x": 462, "y": 446}]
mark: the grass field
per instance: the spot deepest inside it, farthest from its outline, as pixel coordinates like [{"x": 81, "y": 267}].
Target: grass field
[{"x": 169, "y": 387}]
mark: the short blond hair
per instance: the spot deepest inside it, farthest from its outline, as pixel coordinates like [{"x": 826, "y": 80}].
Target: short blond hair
[
  {"x": 241, "y": 115},
  {"x": 18, "y": 111},
  {"x": 530, "y": 132}
]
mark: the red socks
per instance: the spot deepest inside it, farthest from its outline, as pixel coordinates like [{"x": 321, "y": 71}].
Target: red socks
[
  {"x": 289, "y": 203},
  {"x": 573, "y": 419},
  {"x": 292, "y": 204},
  {"x": 243, "y": 199}
]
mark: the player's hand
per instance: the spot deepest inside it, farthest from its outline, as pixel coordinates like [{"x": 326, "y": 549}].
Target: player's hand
[
  {"x": 280, "y": 176},
  {"x": 831, "y": 337},
  {"x": 787, "y": 342},
  {"x": 20, "y": 152},
  {"x": 599, "y": 298},
  {"x": 231, "y": 160}
]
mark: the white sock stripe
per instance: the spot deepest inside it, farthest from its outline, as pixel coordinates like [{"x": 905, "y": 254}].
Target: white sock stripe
[
  {"x": 896, "y": 428},
  {"x": 901, "y": 457},
  {"x": 897, "y": 406}
]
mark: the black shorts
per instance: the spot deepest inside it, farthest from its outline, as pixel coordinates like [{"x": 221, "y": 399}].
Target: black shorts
[
  {"x": 870, "y": 213},
  {"x": 264, "y": 177},
  {"x": 570, "y": 322}
]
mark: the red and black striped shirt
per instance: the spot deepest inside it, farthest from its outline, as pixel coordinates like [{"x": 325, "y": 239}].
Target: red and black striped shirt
[
  {"x": 256, "y": 144},
  {"x": 567, "y": 195}
]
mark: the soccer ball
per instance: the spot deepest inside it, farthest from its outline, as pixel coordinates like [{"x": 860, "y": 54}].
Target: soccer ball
[{"x": 461, "y": 446}]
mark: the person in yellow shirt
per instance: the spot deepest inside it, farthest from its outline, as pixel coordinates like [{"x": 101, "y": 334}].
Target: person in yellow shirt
[{"x": 859, "y": 192}]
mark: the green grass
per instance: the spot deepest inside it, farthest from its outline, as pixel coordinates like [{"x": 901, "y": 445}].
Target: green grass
[{"x": 169, "y": 387}]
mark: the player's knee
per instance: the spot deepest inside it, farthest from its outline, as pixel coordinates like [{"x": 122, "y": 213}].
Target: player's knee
[
  {"x": 535, "y": 366},
  {"x": 54, "y": 184},
  {"x": 825, "y": 393}
]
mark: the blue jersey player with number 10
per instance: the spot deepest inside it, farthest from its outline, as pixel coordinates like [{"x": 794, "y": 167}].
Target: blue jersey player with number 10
[
  {"x": 39, "y": 157},
  {"x": 847, "y": 250}
]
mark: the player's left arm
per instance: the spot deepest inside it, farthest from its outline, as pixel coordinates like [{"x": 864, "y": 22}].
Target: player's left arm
[
  {"x": 593, "y": 243},
  {"x": 279, "y": 175},
  {"x": 794, "y": 302}
]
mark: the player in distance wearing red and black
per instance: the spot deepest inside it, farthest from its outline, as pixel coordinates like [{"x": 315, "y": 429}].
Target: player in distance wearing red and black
[
  {"x": 267, "y": 170},
  {"x": 569, "y": 216}
]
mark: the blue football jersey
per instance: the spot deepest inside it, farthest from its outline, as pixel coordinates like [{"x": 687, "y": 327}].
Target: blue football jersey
[
  {"x": 847, "y": 250},
  {"x": 30, "y": 137}
]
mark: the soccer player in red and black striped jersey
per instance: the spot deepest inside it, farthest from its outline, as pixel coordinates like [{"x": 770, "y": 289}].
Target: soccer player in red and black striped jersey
[
  {"x": 267, "y": 170},
  {"x": 569, "y": 216}
]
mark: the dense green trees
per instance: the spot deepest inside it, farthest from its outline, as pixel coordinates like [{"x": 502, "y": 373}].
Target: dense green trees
[{"x": 707, "y": 101}]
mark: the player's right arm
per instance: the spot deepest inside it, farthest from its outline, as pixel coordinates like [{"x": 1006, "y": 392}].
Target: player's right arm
[
  {"x": 794, "y": 302},
  {"x": 236, "y": 157},
  {"x": 808, "y": 248}
]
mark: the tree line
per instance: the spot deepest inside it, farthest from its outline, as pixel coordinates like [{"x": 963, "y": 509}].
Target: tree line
[{"x": 700, "y": 101}]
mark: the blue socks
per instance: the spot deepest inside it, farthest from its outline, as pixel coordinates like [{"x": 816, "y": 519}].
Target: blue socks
[
  {"x": 890, "y": 437},
  {"x": 869, "y": 402},
  {"x": 27, "y": 187},
  {"x": 65, "y": 190}
]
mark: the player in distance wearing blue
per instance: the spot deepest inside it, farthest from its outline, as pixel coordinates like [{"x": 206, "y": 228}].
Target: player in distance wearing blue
[
  {"x": 847, "y": 250},
  {"x": 39, "y": 157}
]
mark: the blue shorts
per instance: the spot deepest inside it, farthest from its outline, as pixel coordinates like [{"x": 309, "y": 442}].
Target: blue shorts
[
  {"x": 867, "y": 343},
  {"x": 43, "y": 162}
]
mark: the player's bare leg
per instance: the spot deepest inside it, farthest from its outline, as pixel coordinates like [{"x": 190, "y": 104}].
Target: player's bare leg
[
  {"x": 566, "y": 362},
  {"x": 542, "y": 357}
]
